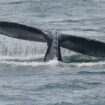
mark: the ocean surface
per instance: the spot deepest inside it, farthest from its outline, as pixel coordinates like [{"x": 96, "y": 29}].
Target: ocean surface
[{"x": 26, "y": 80}]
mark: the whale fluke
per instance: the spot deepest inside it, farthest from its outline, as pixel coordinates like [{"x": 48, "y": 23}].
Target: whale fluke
[
  {"x": 54, "y": 40},
  {"x": 83, "y": 45},
  {"x": 23, "y": 32}
]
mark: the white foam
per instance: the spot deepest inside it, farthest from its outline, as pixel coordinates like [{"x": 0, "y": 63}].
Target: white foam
[
  {"x": 89, "y": 64},
  {"x": 53, "y": 62},
  {"x": 25, "y": 63}
]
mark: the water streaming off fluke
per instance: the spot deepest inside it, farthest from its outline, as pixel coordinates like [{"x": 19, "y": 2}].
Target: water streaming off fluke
[{"x": 14, "y": 47}]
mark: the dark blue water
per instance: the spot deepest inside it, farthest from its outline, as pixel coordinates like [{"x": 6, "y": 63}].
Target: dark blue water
[{"x": 26, "y": 80}]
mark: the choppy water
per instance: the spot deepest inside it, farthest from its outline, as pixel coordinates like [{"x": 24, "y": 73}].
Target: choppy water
[{"x": 26, "y": 80}]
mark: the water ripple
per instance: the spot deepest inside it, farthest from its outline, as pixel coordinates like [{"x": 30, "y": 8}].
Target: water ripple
[
  {"x": 70, "y": 85},
  {"x": 91, "y": 73}
]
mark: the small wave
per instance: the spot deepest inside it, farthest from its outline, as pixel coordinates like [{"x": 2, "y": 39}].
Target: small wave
[
  {"x": 25, "y": 63},
  {"x": 64, "y": 21},
  {"x": 14, "y": 2},
  {"x": 18, "y": 2},
  {"x": 63, "y": 103},
  {"x": 73, "y": 60},
  {"x": 50, "y": 63},
  {"x": 60, "y": 103},
  {"x": 89, "y": 64},
  {"x": 91, "y": 73},
  {"x": 94, "y": 83},
  {"x": 65, "y": 85},
  {"x": 69, "y": 20},
  {"x": 90, "y": 30}
]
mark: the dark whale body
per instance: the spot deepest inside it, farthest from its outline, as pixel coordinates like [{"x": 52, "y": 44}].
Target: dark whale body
[{"x": 54, "y": 40}]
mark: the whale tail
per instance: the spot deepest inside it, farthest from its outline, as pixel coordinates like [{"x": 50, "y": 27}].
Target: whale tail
[
  {"x": 53, "y": 51},
  {"x": 54, "y": 40}
]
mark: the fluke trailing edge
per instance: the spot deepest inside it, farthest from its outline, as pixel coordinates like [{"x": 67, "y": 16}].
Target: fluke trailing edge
[{"x": 54, "y": 40}]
